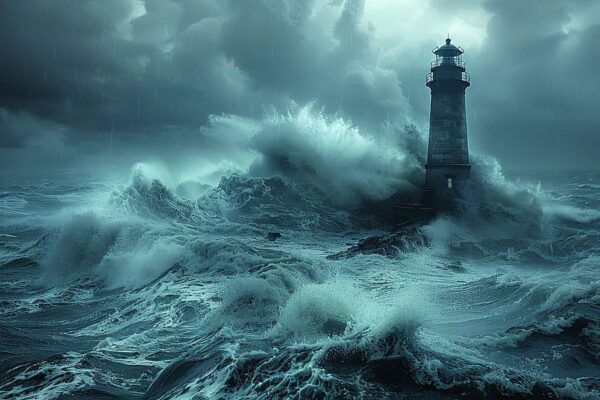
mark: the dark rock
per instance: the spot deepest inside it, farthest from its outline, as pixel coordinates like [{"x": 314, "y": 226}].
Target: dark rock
[
  {"x": 388, "y": 245},
  {"x": 273, "y": 236}
]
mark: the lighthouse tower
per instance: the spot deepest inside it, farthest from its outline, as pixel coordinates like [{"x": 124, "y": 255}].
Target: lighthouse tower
[{"x": 447, "y": 166}]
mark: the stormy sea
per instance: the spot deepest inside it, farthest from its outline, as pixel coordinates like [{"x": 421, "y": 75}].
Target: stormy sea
[{"x": 269, "y": 286}]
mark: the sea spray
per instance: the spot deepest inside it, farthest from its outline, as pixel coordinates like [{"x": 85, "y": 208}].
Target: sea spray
[{"x": 331, "y": 154}]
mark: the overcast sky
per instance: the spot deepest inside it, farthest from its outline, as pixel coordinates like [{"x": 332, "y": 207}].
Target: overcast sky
[{"x": 102, "y": 84}]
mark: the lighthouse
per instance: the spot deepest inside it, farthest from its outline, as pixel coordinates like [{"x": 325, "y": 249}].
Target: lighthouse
[{"x": 448, "y": 166}]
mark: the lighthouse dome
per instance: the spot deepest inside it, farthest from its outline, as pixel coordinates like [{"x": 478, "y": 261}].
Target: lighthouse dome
[{"x": 448, "y": 50}]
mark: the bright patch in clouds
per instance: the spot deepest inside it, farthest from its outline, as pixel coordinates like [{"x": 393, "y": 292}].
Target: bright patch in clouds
[{"x": 417, "y": 21}]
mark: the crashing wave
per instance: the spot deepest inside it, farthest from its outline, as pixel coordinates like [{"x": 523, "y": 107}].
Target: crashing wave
[
  {"x": 274, "y": 201},
  {"x": 148, "y": 197}
]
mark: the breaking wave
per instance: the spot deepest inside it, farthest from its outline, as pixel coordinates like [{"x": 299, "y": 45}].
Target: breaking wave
[{"x": 333, "y": 156}]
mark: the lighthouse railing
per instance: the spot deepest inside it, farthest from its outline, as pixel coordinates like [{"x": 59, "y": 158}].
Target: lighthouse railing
[
  {"x": 442, "y": 75},
  {"x": 456, "y": 61}
]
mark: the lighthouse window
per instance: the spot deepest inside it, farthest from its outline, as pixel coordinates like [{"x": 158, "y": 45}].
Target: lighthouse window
[{"x": 450, "y": 183}]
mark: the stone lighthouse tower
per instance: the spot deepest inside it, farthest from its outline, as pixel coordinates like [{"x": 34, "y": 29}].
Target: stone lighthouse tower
[{"x": 447, "y": 165}]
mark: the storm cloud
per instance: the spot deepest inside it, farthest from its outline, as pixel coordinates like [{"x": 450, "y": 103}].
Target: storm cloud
[{"x": 94, "y": 84}]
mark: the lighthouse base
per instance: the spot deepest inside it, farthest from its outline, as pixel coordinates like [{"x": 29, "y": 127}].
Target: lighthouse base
[{"x": 443, "y": 184}]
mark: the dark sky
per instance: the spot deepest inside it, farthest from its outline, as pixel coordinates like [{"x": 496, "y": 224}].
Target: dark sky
[{"x": 100, "y": 85}]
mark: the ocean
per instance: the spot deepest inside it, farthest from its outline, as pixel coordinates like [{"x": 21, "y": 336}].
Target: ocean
[{"x": 130, "y": 288}]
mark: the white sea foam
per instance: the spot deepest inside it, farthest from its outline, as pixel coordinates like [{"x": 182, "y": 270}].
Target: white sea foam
[
  {"x": 346, "y": 164},
  {"x": 338, "y": 306},
  {"x": 564, "y": 211}
]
